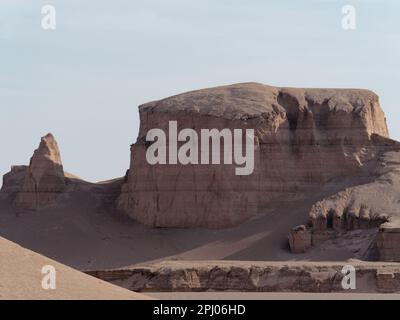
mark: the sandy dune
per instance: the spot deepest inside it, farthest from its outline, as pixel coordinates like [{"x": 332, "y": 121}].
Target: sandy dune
[{"x": 21, "y": 278}]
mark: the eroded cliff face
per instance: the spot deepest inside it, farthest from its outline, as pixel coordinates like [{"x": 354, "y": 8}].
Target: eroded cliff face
[{"x": 303, "y": 137}]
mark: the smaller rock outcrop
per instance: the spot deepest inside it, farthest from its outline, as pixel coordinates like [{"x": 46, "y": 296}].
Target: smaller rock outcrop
[
  {"x": 13, "y": 182},
  {"x": 300, "y": 239},
  {"x": 388, "y": 240},
  {"x": 44, "y": 178}
]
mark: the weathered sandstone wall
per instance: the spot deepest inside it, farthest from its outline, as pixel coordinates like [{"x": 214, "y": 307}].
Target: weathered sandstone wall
[{"x": 304, "y": 137}]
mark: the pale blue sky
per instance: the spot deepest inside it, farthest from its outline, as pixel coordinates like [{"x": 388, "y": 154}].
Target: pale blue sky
[{"x": 84, "y": 81}]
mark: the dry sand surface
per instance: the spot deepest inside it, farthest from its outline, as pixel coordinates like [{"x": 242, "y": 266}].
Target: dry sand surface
[
  {"x": 82, "y": 235},
  {"x": 21, "y": 278}
]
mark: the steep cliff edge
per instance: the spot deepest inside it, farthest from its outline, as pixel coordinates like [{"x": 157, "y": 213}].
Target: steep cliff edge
[{"x": 303, "y": 138}]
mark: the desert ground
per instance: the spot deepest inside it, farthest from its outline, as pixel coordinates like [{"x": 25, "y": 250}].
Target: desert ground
[
  {"x": 21, "y": 279},
  {"x": 80, "y": 235}
]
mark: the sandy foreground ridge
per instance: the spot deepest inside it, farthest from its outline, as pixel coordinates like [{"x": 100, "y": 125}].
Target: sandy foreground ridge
[{"x": 21, "y": 279}]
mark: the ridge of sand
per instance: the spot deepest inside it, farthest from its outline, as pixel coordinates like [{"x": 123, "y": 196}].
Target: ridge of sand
[{"x": 21, "y": 278}]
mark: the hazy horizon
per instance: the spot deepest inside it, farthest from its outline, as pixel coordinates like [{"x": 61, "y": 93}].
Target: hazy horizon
[{"x": 84, "y": 81}]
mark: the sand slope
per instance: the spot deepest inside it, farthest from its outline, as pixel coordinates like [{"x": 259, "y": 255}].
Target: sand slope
[
  {"x": 83, "y": 235},
  {"x": 21, "y": 278}
]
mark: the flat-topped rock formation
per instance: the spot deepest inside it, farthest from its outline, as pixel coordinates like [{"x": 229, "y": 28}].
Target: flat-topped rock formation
[
  {"x": 303, "y": 138},
  {"x": 44, "y": 179},
  {"x": 21, "y": 278}
]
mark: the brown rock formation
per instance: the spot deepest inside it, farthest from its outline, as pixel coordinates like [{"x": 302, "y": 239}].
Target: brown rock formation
[
  {"x": 304, "y": 138},
  {"x": 13, "y": 182},
  {"x": 41, "y": 184},
  {"x": 44, "y": 179},
  {"x": 365, "y": 206},
  {"x": 388, "y": 242},
  {"x": 255, "y": 276},
  {"x": 300, "y": 239}
]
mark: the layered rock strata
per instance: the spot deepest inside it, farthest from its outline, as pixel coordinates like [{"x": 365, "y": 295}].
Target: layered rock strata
[
  {"x": 303, "y": 137},
  {"x": 200, "y": 276}
]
